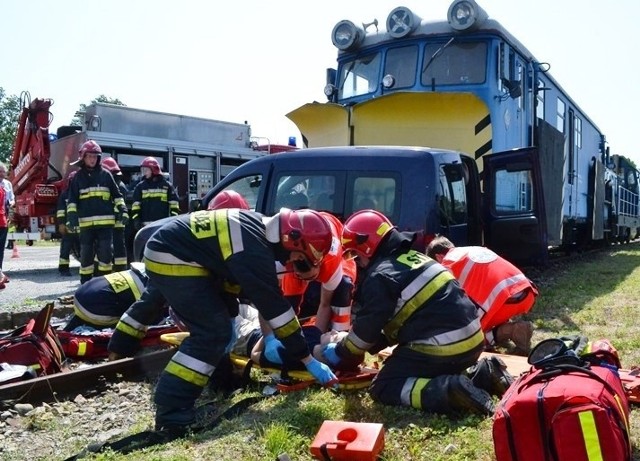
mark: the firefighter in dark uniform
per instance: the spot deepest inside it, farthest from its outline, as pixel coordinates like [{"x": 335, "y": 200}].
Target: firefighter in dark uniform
[
  {"x": 101, "y": 301},
  {"x": 69, "y": 239},
  {"x": 189, "y": 259},
  {"x": 94, "y": 205},
  {"x": 409, "y": 300},
  {"x": 119, "y": 245},
  {"x": 154, "y": 197}
]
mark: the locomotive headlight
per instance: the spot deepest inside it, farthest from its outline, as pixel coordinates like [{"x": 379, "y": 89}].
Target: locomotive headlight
[
  {"x": 346, "y": 35},
  {"x": 465, "y": 15},
  {"x": 388, "y": 81},
  {"x": 401, "y": 21}
]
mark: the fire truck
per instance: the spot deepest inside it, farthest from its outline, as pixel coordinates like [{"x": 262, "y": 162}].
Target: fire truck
[{"x": 195, "y": 152}]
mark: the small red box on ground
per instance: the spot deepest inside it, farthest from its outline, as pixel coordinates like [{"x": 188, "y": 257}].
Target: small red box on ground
[{"x": 347, "y": 441}]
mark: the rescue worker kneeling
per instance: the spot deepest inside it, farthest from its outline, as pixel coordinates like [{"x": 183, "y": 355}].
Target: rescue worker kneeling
[
  {"x": 410, "y": 300},
  {"x": 100, "y": 302},
  {"x": 187, "y": 260}
]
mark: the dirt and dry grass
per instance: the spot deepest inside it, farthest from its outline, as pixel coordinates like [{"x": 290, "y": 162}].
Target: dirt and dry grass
[{"x": 595, "y": 295}]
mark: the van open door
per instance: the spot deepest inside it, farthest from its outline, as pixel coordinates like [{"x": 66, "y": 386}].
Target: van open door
[{"x": 515, "y": 224}]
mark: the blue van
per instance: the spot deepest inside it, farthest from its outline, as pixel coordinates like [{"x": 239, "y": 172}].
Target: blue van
[{"x": 428, "y": 191}]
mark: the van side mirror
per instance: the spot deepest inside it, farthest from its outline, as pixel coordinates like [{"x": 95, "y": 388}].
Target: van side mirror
[{"x": 195, "y": 205}]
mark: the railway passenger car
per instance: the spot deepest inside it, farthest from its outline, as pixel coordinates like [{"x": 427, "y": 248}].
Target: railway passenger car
[{"x": 468, "y": 84}]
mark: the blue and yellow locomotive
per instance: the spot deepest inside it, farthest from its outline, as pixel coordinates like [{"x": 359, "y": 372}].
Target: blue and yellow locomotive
[{"x": 469, "y": 85}]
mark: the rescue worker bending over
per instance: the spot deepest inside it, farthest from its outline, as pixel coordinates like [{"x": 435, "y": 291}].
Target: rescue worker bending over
[
  {"x": 69, "y": 239},
  {"x": 188, "y": 259},
  {"x": 410, "y": 300},
  {"x": 498, "y": 287},
  {"x": 325, "y": 291},
  {"x": 154, "y": 197},
  {"x": 119, "y": 234},
  {"x": 94, "y": 205},
  {"x": 101, "y": 301}
]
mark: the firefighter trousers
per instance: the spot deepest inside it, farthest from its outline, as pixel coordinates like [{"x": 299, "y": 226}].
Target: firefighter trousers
[
  {"x": 95, "y": 242},
  {"x": 340, "y": 303},
  {"x": 410, "y": 378},
  {"x": 119, "y": 249},
  {"x": 67, "y": 244},
  {"x": 198, "y": 304}
]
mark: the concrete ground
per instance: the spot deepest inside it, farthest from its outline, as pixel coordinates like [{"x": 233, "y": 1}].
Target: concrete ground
[{"x": 34, "y": 279}]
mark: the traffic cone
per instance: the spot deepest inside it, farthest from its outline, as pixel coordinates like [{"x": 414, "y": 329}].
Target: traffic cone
[{"x": 15, "y": 253}]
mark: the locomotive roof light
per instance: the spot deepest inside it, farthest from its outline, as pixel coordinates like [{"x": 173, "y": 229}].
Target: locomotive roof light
[
  {"x": 401, "y": 22},
  {"x": 466, "y": 15},
  {"x": 346, "y": 35}
]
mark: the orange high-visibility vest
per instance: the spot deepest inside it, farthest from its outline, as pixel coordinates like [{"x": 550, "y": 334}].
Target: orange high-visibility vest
[
  {"x": 332, "y": 268},
  {"x": 499, "y": 288}
]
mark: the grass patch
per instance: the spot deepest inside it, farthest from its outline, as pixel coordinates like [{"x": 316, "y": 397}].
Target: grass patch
[{"x": 595, "y": 296}]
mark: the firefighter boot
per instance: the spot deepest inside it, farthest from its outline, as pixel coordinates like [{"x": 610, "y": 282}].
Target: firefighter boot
[
  {"x": 455, "y": 394},
  {"x": 519, "y": 332},
  {"x": 491, "y": 375}
]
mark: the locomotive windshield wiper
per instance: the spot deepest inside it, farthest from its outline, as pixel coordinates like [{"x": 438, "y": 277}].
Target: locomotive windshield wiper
[{"x": 437, "y": 53}]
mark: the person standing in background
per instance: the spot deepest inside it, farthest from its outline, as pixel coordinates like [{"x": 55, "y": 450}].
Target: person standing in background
[
  {"x": 68, "y": 239},
  {"x": 94, "y": 205},
  {"x": 119, "y": 244},
  {"x": 154, "y": 197},
  {"x": 4, "y": 228},
  {"x": 10, "y": 199}
]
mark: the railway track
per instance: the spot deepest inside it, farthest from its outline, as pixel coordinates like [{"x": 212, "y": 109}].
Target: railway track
[
  {"x": 69, "y": 383},
  {"x": 88, "y": 377}
]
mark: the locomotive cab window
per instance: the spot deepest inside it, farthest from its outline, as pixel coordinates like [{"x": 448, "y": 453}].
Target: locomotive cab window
[
  {"x": 401, "y": 64},
  {"x": 455, "y": 64},
  {"x": 360, "y": 76}
]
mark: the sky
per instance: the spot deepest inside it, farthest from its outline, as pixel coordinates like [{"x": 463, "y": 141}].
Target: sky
[{"x": 255, "y": 61}]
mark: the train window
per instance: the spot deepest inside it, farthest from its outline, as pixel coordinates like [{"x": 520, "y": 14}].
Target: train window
[
  {"x": 458, "y": 63},
  {"x": 560, "y": 115},
  {"x": 513, "y": 192},
  {"x": 578, "y": 132},
  {"x": 360, "y": 76},
  {"x": 402, "y": 63},
  {"x": 540, "y": 100},
  {"x": 452, "y": 197}
]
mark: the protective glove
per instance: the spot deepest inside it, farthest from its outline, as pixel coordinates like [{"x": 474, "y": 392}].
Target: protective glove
[
  {"x": 62, "y": 229},
  {"x": 330, "y": 355},
  {"x": 124, "y": 219},
  {"x": 72, "y": 221},
  {"x": 271, "y": 346},
  {"x": 321, "y": 372}
]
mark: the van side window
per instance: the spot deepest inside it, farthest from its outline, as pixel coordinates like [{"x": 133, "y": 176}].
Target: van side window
[
  {"x": 306, "y": 191},
  {"x": 375, "y": 193},
  {"x": 452, "y": 197},
  {"x": 249, "y": 187},
  {"x": 514, "y": 191}
]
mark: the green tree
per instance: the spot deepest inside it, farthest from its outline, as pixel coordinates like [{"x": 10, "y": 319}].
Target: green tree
[
  {"x": 78, "y": 118},
  {"x": 9, "y": 114}
]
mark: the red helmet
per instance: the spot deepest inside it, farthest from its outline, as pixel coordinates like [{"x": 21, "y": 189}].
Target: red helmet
[
  {"x": 89, "y": 147},
  {"x": 111, "y": 165},
  {"x": 305, "y": 231},
  {"x": 363, "y": 232},
  {"x": 152, "y": 163},
  {"x": 228, "y": 199}
]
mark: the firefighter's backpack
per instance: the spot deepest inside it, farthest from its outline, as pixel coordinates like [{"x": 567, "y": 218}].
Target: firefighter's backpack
[
  {"x": 34, "y": 345},
  {"x": 566, "y": 408}
]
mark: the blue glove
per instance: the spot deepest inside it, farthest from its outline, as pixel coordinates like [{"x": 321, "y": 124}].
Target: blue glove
[
  {"x": 321, "y": 372},
  {"x": 271, "y": 346},
  {"x": 330, "y": 355}
]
